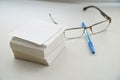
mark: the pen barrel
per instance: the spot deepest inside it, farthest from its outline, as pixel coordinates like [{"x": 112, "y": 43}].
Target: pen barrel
[{"x": 91, "y": 47}]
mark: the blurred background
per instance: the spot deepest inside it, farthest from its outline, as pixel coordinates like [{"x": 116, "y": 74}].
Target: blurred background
[
  {"x": 74, "y": 1},
  {"x": 78, "y": 1}
]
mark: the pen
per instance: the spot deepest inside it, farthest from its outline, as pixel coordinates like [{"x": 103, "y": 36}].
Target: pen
[{"x": 90, "y": 43}]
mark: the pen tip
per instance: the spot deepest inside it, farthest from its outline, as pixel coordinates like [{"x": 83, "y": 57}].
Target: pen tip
[{"x": 93, "y": 52}]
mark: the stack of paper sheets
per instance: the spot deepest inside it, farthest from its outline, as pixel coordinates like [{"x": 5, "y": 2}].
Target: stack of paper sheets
[{"x": 38, "y": 41}]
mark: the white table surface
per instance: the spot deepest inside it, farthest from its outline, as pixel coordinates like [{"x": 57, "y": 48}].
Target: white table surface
[{"x": 75, "y": 62}]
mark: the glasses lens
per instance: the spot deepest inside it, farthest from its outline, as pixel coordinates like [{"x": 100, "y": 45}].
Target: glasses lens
[
  {"x": 74, "y": 33},
  {"x": 100, "y": 27}
]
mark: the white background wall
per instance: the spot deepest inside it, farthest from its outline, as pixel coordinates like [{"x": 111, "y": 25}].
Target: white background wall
[
  {"x": 78, "y": 1},
  {"x": 74, "y": 1}
]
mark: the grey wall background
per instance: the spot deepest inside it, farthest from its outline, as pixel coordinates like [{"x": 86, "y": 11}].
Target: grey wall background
[
  {"x": 78, "y": 1},
  {"x": 74, "y": 1}
]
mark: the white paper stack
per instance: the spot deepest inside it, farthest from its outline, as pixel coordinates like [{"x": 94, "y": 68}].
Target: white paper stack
[{"x": 38, "y": 42}]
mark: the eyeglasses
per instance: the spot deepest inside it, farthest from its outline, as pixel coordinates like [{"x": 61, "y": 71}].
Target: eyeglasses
[{"x": 73, "y": 33}]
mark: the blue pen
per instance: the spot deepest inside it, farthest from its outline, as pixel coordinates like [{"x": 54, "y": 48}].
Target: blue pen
[{"x": 90, "y": 44}]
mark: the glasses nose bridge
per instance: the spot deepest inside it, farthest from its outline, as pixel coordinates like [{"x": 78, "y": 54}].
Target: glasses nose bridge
[{"x": 88, "y": 28}]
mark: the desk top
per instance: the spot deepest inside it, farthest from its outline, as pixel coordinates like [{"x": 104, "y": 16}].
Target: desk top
[{"x": 75, "y": 62}]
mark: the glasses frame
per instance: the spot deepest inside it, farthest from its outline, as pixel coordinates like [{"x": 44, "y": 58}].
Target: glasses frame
[{"x": 107, "y": 18}]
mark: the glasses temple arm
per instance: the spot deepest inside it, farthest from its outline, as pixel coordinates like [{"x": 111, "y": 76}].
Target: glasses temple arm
[
  {"x": 52, "y": 19},
  {"x": 101, "y": 12}
]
